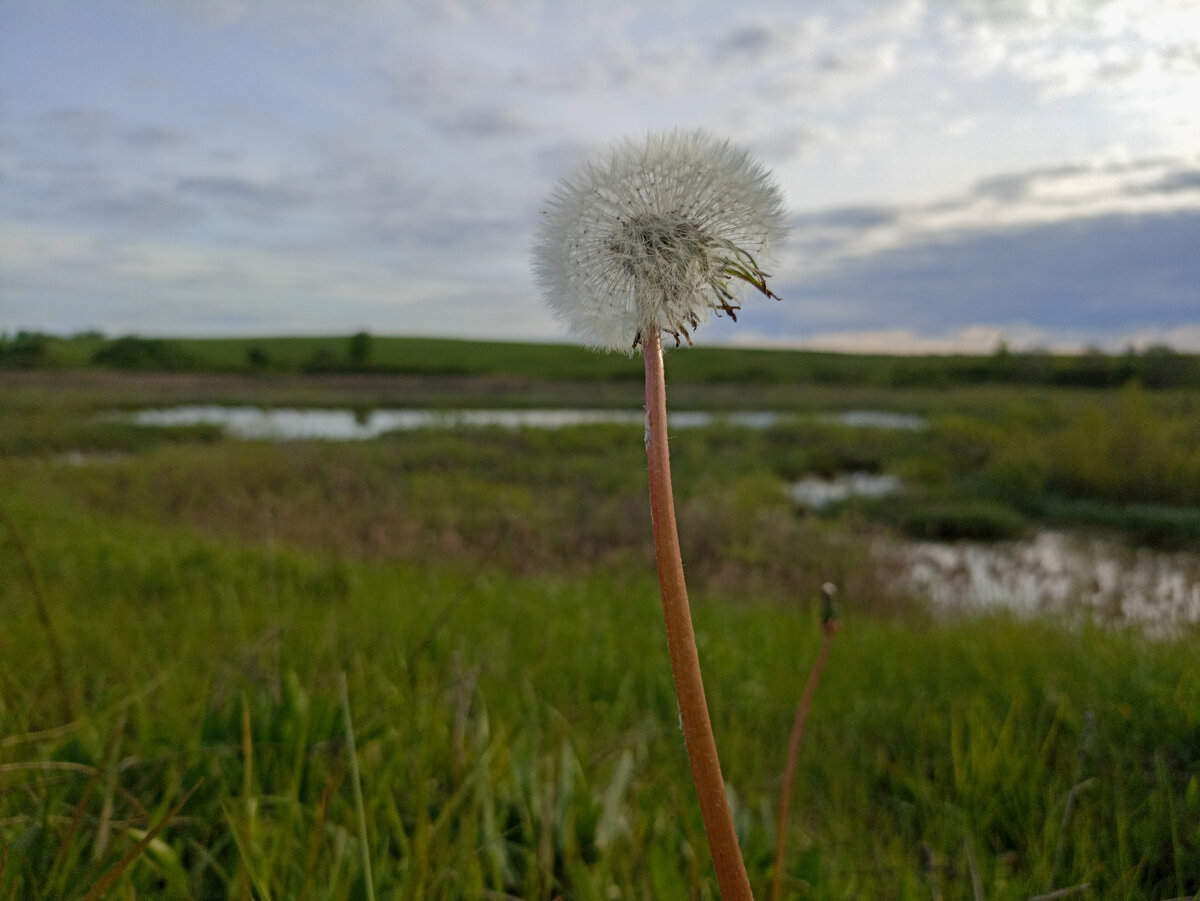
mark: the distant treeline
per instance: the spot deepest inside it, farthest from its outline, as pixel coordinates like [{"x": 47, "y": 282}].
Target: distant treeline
[{"x": 1154, "y": 367}]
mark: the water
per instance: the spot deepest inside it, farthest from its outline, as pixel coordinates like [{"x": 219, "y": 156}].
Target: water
[
  {"x": 881, "y": 419},
  {"x": 1075, "y": 578},
  {"x": 1070, "y": 578},
  {"x": 284, "y": 424},
  {"x": 816, "y": 493}
]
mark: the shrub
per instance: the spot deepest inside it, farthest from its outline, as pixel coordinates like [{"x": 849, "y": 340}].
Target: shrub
[
  {"x": 27, "y": 350},
  {"x": 257, "y": 357},
  {"x": 359, "y": 350},
  {"x": 950, "y": 519},
  {"x": 323, "y": 359},
  {"x": 1129, "y": 456},
  {"x": 144, "y": 354}
]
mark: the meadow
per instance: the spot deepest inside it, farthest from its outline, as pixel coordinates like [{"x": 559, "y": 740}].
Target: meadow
[{"x": 432, "y": 665}]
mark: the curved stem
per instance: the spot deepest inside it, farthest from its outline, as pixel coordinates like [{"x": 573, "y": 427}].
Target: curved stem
[
  {"x": 681, "y": 640},
  {"x": 829, "y": 628}
]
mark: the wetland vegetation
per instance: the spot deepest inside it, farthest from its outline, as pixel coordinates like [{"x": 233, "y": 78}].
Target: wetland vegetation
[{"x": 180, "y": 606}]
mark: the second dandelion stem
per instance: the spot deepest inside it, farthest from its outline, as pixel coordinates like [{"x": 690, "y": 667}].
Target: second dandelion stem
[{"x": 681, "y": 640}]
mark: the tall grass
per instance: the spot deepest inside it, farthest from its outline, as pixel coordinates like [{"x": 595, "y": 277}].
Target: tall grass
[{"x": 516, "y": 731}]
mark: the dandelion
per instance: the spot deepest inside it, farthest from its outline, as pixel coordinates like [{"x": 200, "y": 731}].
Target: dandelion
[
  {"x": 653, "y": 239},
  {"x": 656, "y": 237}
]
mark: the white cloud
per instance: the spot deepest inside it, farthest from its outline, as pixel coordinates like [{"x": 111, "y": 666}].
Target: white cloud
[
  {"x": 1129, "y": 58},
  {"x": 1018, "y": 337},
  {"x": 972, "y": 339},
  {"x": 154, "y": 287}
]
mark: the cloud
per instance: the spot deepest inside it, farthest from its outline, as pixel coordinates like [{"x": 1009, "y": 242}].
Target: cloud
[
  {"x": 1104, "y": 277},
  {"x": 833, "y": 238},
  {"x": 254, "y": 199},
  {"x": 484, "y": 123},
  {"x": 406, "y": 148},
  {"x": 155, "y": 137},
  {"x": 745, "y": 43},
  {"x": 138, "y": 210},
  {"x": 80, "y": 126},
  {"x": 1018, "y": 337},
  {"x": 155, "y": 287},
  {"x": 1070, "y": 48},
  {"x": 971, "y": 339}
]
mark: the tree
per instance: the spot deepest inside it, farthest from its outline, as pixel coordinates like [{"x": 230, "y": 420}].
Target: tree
[{"x": 360, "y": 349}]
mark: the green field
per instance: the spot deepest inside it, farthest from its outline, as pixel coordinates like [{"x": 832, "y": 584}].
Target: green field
[
  {"x": 179, "y": 610},
  {"x": 1154, "y": 367}
]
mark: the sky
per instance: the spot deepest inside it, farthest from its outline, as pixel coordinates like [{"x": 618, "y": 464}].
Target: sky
[{"x": 956, "y": 173}]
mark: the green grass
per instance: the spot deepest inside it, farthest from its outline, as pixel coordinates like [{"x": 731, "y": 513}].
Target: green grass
[
  {"x": 517, "y": 734},
  {"x": 489, "y": 596}
]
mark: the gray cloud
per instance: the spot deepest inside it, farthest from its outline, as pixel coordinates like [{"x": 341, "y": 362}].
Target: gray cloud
[
  {"x": 556, "y": 159},
  {"x": 850, "y": 217},
  {"x": 1108, "y": 275},
  {"x": 747, "y": 42},
  {"x": 484, "y": 123},
  {"x": 1183, "y": 58},
  {"x": 1011, "y": 187},
  {"x": 80, "y": 126},
  {"x": 143, "y": 208},
  {"x": 1182, "y": 181},
  {"x": 258, "y": 200},
  {"x": 842, "y": 236},
  {"x": 154, "y": 137}
]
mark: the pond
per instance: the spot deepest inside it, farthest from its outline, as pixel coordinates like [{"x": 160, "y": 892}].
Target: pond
[
  {"x": 285, "y": 423},
  {"x": 1075, "y": 578},
  {"x": 880, "y": 419},
  {"x": 1069, "y": 577},
  {"x": 817, "y": 493}
]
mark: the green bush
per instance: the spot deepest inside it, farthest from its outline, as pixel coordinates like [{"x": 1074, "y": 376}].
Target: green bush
[
  {"x": 952, "y": 519},
  {"x": 143, "y": 354},
  {"x": 25, "y": 350},
  {"x": 257, "y": 357},
  {"x": 1121, "y": 453},
  {"x": 322, "y": 359},
  {"x": 1129, "y": 455},
  {"x": 1151, "y": 525},
  {"x": 359, "y": 349}
]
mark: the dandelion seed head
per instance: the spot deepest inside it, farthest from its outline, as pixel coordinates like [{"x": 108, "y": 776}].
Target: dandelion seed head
[{"x": 656, "y": 235}]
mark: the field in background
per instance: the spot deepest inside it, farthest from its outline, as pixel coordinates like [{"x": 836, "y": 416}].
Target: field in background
[
  {"x": 179, "y": 608},
  {"x": 1154, "y": 367}
]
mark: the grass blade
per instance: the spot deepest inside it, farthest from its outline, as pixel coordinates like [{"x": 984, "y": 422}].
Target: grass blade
[
  {"x": 357, "y": 783},
  {"x": 105, "y": 882}
]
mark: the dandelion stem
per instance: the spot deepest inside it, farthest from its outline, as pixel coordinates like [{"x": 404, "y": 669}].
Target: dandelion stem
[
  {"x": 681, "y": 639},
  {"x": 829, "y": 627}
]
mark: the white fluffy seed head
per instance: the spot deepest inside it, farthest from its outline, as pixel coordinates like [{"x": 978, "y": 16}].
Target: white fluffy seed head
[{"x": 655, "y": 236}]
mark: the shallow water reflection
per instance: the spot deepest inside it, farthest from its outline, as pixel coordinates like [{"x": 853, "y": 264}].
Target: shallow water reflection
[
  {"x": 881, "y": 419},
  {"x": 349, "y": 425},
  {"x": 283, "y": 424},
  {"x": 816, "y": 492},
  {"x": 1075, "y": 578}
]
